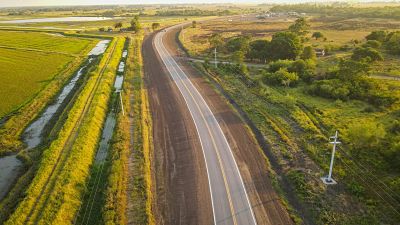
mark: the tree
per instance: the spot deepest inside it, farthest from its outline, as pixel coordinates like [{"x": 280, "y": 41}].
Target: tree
[
  {"x": 155, "y": 26},
  {"x": 368, "y": 54},
  {"x": 350, "y": 70},
  {"x": 102, "y": 29},
  {"x": 135, "y": 24},
  {"x": 118, "y": 25},
  {"x": 308, "y": 53},
  {"x": 216, "y": 41},
  {"x": 317, "y": 35},
  {"x": 241, "y": 43},
  {"x": 194, "y": 23},
  {"x": 379, "y": 35},
  {"x": 259, "y": 50},
  {"x": 300, "y": 27},
  {"x": 285, "y": 45},
  {"x": 393, "y": 42}
]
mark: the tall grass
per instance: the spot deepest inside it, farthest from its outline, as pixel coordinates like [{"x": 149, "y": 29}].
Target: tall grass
[{"x": 128, "y": 195}]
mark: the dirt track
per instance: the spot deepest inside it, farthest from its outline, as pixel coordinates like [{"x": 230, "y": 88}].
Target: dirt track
[{"x": 182, "y": 195}]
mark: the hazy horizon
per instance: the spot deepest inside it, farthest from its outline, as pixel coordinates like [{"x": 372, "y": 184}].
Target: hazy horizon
[{"x": 21, "y": 3}]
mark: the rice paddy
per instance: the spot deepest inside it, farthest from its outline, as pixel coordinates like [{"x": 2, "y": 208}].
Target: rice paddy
[{"x": 29, "y": 61}]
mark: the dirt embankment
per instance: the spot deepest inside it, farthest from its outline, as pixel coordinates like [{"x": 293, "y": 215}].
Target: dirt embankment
[
  {"x": 180, "y": 187},
  {"x": 268, "y": 208}
]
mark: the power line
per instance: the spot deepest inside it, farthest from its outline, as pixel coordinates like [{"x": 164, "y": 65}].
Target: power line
[{"x": 366, "y": 184}]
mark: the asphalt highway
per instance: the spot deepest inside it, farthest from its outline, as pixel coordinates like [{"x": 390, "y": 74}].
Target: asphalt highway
[{"x": 230, "y": 202}]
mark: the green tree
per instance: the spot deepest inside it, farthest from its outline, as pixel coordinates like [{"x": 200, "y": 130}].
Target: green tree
[
  {"x": 241, "y": 43},
  {"x": 393, "y": 42},
  {"x": 300, "y": 27},
  {"x": 317, "y": 35},
  {"x": 350, "y": 70},
  {"x": 155, "y": 26},
  {"x": 379, "y": 35},
  {"x": 368, "y": 54},
  {"x": 285, "y": 45},
  {"x": 259, "y": 49},
  {"x": 135, "y": 24},
  {"x": 308, "y": 53},
  {"x": 216, "y": 41}
]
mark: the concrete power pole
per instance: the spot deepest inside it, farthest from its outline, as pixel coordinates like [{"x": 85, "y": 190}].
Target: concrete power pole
[
  {"x": 328, "y": 179},
  {"x": 215, "y": 57}
]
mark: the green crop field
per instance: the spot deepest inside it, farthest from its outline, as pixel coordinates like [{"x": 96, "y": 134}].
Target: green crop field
[{"x": 26, "y": 67}]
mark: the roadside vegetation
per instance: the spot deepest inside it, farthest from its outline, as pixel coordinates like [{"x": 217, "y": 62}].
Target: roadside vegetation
[
  {"x": 128, "y": 196},
  {"x": 298, "y": 99}
]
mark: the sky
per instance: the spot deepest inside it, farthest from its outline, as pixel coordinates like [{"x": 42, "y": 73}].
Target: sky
[{"x": 13, "y": 3}]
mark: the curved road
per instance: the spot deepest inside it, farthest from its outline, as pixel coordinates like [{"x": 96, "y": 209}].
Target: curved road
[{"x": 229, "y": 198}]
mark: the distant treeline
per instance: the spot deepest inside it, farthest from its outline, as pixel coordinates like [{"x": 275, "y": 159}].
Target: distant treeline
[
  {"x": 341, "y": 10},
  {"x": 194, "y": 12}
]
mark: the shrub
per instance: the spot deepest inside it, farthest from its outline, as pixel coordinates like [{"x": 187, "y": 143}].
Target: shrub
[
  {"x": 369, "y": 54},
  {"x": 281, "y": 77},
  {"x": 308, "y": 53},
  {"x": 377, "y": 36},
  {"x": 279, "y": 64},
  {"x": 372, "y": 44}
]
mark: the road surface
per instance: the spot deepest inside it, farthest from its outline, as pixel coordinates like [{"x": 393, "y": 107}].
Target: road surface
[{"x": 230, "y": 202}]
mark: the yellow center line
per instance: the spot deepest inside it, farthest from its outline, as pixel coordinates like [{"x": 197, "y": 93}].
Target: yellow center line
[{"x": 218, "y": 156}]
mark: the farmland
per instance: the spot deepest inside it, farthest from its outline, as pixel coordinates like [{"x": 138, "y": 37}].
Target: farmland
[{"x": 23, "y": 77}]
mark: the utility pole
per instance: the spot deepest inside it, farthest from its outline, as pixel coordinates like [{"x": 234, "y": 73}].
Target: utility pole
[
  {"x": 122, "y": 104},
  {"x": 215, "y": 57},
  {"x": 328, "y": 180}
]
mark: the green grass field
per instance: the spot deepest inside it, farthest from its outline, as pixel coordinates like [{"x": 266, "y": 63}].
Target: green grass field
[{"x": 26, "y": 67}]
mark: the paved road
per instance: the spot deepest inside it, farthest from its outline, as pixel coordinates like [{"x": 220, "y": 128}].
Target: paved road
[{"x": 229, "y": 198}]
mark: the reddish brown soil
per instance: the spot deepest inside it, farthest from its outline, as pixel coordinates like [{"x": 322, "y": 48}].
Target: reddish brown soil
[{"x": 181, "y": 192}]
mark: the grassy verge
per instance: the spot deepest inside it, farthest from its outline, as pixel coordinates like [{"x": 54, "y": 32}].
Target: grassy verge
[
  {"x": 55, "y": 192},
  {"x": 128, "y": 195}
]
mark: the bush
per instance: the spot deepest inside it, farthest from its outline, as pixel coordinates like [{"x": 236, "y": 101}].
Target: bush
[
  {"x": 334, "y": 89},
  {"x": 281, "y": 77},
  {"x": 368, "y": 54},
  {"x": 279, "y": 64},
  {"x": 372, "y": 44},
  {"x": 377, "y": 36},
  {"x": 308, "y": 53}
]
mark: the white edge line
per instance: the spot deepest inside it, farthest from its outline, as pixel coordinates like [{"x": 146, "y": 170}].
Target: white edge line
[
  {"x": 202, "y": 148},
  {"x": 230, "y": 150}
]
